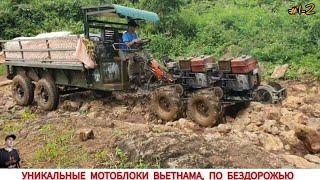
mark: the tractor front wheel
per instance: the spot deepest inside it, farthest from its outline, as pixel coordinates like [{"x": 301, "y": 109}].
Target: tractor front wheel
[
  {"x": 165, "y": 103},
  {"x": 204, "y": 108}
]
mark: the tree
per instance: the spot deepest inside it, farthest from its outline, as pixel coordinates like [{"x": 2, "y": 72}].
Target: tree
[{"x": 167, "y": 10}]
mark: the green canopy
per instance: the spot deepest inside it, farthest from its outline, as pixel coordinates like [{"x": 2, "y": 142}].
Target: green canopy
[{"x": 132, "y": 13}]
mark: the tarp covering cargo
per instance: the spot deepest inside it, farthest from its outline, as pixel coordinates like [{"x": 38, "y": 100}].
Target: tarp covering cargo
[{"x": 49, "y": 47}]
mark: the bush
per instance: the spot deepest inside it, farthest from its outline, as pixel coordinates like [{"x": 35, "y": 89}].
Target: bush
[
  {"x": 2, "y": 69},
  {"x": 262, "y": 28}
]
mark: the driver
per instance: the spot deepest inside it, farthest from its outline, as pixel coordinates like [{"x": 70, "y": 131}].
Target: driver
[{"x": 130, "y": 38}]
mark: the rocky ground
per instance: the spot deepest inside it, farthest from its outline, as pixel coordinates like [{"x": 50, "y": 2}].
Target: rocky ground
[{"x": 127, "y": 135}]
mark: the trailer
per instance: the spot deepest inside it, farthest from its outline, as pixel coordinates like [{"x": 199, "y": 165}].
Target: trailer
[{"x": 42, "y": 68}]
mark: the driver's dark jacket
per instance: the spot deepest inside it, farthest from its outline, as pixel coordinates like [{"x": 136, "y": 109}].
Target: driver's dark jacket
[{"x": 9, "y": 159}]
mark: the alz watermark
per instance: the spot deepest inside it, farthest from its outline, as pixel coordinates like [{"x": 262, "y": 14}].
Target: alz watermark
[{"x": 308, "y": 9}]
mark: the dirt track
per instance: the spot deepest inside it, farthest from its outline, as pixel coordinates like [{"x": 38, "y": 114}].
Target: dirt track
[{"x": 127, "y": 135}]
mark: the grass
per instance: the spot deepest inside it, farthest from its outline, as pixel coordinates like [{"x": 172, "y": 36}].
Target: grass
[
  {"x": 119, "y": 159},
  {"x": 2, "y": 69},
  {"x": 12, "y": 127},
  {"x": 16, "y": 125},
  {"x": 28, "y": 115},
  {"x": 58, "y": 149},
  {"x": 119, "y": 133}
]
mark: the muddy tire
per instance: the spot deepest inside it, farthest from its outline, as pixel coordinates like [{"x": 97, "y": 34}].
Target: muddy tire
[
  {"x": 275, "y": 85},
  {"x": 263, "y": 96},
  {"x": 165, "y": 103},
  {"x": 46, "y": 94},
  {"x": 22, "y": 90},
  {"x": 204, "y": 109}
]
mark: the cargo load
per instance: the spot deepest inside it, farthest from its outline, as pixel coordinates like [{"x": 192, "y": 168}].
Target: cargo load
[{"x": 49, "y": 47}]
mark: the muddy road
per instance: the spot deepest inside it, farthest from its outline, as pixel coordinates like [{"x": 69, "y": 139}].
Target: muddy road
[{"x": 127, "y": 135}]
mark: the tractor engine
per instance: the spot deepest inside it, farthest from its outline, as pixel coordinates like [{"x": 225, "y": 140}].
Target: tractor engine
[{"x": 237, "y": 79}]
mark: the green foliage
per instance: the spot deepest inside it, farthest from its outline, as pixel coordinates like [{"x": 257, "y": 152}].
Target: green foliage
[
  {"x": 119, "y": 133},
  {"x": 2, "y": 69},
  {"x": 28, "y": 18},
  {"x": 262, "y": 28},
  {"x": 28, "y": 115},
  {"x": 57, "y": 148},
  {"x": 12, "y": 127},
  {"x": 119, "y": 159},
  {"x": 48, "y": 153},
  {"x": 166, "y": 9}
]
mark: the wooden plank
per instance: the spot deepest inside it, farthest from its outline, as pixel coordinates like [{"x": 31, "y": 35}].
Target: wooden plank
[
  {"x": 44, "y": 60},
  {"x": 36, "y": 39}
]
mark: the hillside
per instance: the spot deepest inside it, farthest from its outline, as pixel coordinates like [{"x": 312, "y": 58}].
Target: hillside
[
  {"x": 261, "y": 28},
  {"x": 127, "y": 135}
]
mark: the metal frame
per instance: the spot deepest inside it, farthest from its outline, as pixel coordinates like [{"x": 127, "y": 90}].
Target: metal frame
[
  {"x": 93, "y": 23},
  {"x": 49, "y": 65},
  {"x": 70, "y": 71},
  {"x": 89, "y": 22}
]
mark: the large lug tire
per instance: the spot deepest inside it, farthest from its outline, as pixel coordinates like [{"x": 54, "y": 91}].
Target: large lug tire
[
  {"x": 165, "y": 103},
  {"x": 204, "y": 108},
  {"x": 263, "y": 95},
  {"x": 47, "y": 95},
  {"x": 275, "y": 85},
  {"x": 22, "y": 90}
]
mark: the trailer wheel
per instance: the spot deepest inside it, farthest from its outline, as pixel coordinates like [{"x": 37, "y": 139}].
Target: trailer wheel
[
  {"x": 204, "y": 108},
  {"x": 22, "y": 90},
  {"x": 46, "y": 94},
  {"x": 165, "y": 103}
]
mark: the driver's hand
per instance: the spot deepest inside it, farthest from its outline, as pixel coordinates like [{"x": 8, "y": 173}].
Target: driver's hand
[{"x": 137, "y": 40}]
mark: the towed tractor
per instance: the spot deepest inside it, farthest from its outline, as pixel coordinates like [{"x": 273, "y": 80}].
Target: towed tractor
[
  {"x": 46, "y": 66},
  {"x": 201, "y": 88}
]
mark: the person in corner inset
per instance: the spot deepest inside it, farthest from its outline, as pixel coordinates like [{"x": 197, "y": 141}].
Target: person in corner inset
[{"x": 9, "y": 157}]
